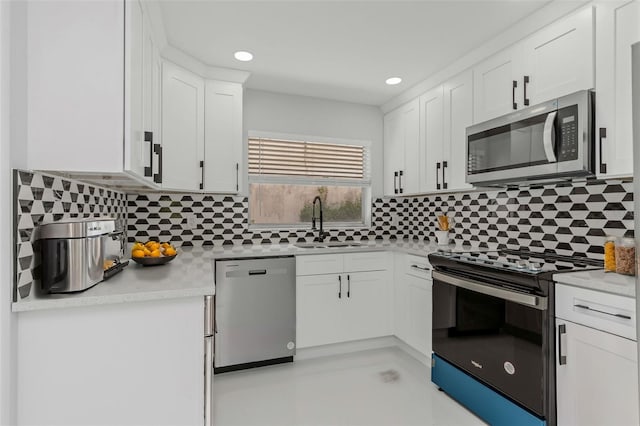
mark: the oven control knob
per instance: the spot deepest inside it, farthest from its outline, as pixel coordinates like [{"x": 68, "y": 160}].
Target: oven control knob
[{"x": 521, "y": 264}]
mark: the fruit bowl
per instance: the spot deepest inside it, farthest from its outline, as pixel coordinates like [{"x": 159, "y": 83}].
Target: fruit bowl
[
  {"x": 152, "y": 253},
  {"x": 153, "y": 261}
]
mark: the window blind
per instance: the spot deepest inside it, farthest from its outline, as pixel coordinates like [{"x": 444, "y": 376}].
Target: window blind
[{"x": 276, "y": 157}]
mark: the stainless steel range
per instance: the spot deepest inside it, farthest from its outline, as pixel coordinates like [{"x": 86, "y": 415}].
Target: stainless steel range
[{"x": 493, "y": 331}]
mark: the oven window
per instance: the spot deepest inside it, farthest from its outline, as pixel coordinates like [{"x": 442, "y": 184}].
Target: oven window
[{"x": 507, "y": 147}]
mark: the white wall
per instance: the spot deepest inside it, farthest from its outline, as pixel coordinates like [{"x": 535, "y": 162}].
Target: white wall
[
  {"x": 7, "y": 322},
  {"x": 301, "y": 115}
]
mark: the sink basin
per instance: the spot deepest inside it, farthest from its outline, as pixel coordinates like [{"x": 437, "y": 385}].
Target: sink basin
[{"x": 328, "y": 245}]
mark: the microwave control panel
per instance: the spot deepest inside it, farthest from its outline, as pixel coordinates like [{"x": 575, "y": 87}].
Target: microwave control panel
[{"x": 567, "y": 135}]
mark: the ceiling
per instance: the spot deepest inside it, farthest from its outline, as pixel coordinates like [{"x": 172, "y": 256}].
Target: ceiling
[{"x": 341, "y": 50}]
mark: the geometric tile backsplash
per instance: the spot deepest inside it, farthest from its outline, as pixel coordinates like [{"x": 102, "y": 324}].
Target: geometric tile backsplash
[
  {"x": 40, "y": 198},
  {"x": 567, "y": 218}
]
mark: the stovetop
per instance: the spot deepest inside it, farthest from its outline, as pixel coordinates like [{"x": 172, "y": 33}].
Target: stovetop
[{"x": 522, "y": 261}]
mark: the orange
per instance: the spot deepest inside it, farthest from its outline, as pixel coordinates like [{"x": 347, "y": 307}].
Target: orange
[
  {"x": 155, "y": 253},
  {"x": 146, "y": 251},
  {"x": 170, "y": 251},
  {"x": 137, "y": 253}
]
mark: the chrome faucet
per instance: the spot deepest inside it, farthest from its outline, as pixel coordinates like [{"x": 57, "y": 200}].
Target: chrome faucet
[{"x": 321, "y": 233}]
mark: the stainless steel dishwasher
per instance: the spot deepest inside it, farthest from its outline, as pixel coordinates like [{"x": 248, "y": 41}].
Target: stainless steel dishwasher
[{"x": 255, "y": 315}]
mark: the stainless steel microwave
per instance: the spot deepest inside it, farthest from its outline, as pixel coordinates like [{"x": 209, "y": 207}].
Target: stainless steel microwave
[{"x": 551, "y": 140}]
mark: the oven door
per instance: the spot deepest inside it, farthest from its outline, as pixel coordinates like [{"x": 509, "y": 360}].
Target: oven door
[{"x": 494, "y": 334}]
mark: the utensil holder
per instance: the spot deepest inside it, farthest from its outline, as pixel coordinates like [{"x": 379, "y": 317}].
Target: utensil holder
[{"x": 442, "y": 238}]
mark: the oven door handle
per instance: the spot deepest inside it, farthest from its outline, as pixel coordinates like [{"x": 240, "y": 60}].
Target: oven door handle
[{"x": 537, "y": 302}]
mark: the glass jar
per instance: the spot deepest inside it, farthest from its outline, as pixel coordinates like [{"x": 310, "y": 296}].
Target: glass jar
[
  {"x": 610, "y": 254},
  {"x": 626, "y": 256}
]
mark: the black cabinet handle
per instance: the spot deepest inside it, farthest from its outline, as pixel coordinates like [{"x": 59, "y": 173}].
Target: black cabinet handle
[
  {"x": 437, "y": 175},
  {"x": 395, "y": 182},
  {"x": 148, "y": 170},
  {"x": 444, "y": 181},
  {"x": 589, "y": 308},
  {"x": 526, "y": 81},
  {"x": 340, "y": 287},
  {"x": 201, "y": 174},
  {"x": 237, "y": 178},
  {"x": 157, "y": 178},
  {"x": 562, "y": 329},
  {"x": 513, "y": 94},
  {"x": 602, "y": 135},
  {"x": 400, "y": 181},
  {"x": 348, "y": 286}
]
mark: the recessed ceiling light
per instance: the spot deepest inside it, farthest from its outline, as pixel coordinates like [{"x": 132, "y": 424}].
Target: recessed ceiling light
[
  {"x": 393, "y": 81},
  {"x": 243, "y": 56}
]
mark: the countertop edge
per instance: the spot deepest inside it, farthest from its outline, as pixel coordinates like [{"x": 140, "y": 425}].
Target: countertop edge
[{"x": 47, "y": 304}]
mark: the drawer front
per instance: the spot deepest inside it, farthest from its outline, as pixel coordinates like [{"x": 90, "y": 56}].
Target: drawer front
[
  {"x": 603, "y": 311},
  {"x": 319, "y": 264},
  {"x": 417, "y": 266},
  {"x": 367, "y": 261}
]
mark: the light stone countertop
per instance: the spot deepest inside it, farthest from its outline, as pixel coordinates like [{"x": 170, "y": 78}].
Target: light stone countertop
[
  {"x": 608, "y": 282},
  {"x": 191, "y": 274}
]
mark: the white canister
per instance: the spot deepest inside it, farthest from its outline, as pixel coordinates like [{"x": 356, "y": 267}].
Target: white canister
[{"x": 442, "y": 237}]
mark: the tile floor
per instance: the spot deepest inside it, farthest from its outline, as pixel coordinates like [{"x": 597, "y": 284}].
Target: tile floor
[{"x": 376, "y": 387}]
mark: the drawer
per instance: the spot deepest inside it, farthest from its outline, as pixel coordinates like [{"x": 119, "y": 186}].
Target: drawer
[
  {"x": 603, "y": 311},
  {"x": 367, "y": 261},
  {"x": 319, "y": 264},
  {"x": 417, "y": 266}
]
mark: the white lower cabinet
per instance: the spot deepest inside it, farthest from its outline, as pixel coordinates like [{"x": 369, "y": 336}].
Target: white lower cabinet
[
  {"x": 344, "y": 306},
  {"x": 596, "y": 368},
  {"x": 412, "y": 302},
  {"x": 122, "y": 364}
]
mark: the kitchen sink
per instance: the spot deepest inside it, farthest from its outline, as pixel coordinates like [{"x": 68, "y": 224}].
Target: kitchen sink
[{"x": 328, "y": 245}]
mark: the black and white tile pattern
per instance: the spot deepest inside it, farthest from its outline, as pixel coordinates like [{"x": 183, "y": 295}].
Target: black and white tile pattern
[
  {"x": 41, "y": 198},
  {"x": 218, "y": 220}
]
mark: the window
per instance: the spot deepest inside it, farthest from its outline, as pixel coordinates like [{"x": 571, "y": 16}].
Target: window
[{"x": 285, "y": 175}]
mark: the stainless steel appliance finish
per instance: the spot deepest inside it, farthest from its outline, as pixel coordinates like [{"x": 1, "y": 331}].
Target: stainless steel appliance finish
[
  {"x": 493, "y": 319},
  {"x": 209, "y": 321},
  {"x": 551, "y": 140},
  {"x": 255, "y": 312},
  {"x": 73, "y": 253}
]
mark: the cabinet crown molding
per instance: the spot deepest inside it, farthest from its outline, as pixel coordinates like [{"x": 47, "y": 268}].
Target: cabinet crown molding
[{"x": 192, "y": 64}]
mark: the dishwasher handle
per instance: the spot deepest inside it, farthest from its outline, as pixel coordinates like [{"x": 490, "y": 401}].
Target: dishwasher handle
[{"x": 258, "y": 272}]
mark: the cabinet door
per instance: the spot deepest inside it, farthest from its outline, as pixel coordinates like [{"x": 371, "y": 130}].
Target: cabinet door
[
  {"x": 319, "y": 310},
  {"x": 458, "y": 107},
  {"x": 74, "y": 106},
  {"x": 618, "y": 27},
  {"x": 431, "y": 137},
  {"x": 136, "y": 156},
  {"x": 149, "y": 96},
  {"x": 419, "y": 314},
  {"x": 409, "y": 180},
  {"x": 393, "y": 151},
  {"x": 222, "y": 136},
  {"x": 559, "y": 59},
  {"x": 182, "y": 128},
  {"x": 369, "y": 302},
  {"x": 493, "y": 85},
  {"x": 598, "y": 384}
]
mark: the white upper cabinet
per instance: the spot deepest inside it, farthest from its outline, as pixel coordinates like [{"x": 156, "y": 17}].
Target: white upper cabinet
[
  {"x": 617, "y": 28},
  {"x": 223, "y": 136},
  {"x": 458, "y": 107},
  {"x": 182, "y": 128},
  {"x": 445, "y": 113},
  {"x": 202, "y": 132},
  {"x": 559, "y": 59},
  {"x": 431, "y": 138},
  {"x": 401, "y": 147},
  {"x": 497, "y": 85},
  {"x": 553, "y": 62},
  {"x": 85, "y": 88}
]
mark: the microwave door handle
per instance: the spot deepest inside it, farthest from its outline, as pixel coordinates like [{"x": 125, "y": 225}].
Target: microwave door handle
[{"x": 548, "y": 135}]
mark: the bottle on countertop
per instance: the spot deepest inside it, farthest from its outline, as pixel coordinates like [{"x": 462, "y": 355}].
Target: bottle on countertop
[{"x": 610, "y": 254}]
